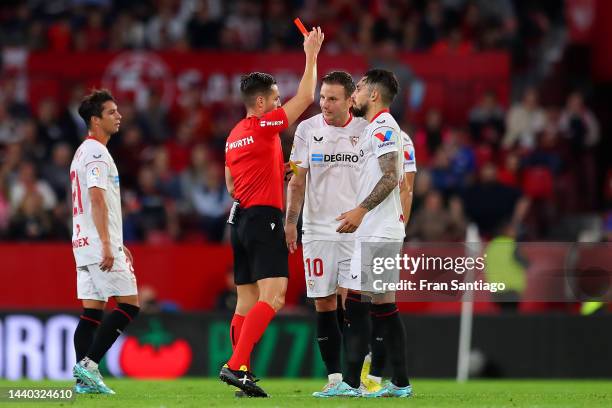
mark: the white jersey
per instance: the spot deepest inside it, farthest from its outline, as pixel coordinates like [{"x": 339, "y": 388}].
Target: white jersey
[
  {"x": 381, "y": 136},
  {"x": 93, "y": 166},
  {"x": 409, "y": 155},
  {"x": 332, "y": 156}
]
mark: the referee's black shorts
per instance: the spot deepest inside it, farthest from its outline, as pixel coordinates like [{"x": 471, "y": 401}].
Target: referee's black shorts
[{"x": 258, "y": 241}]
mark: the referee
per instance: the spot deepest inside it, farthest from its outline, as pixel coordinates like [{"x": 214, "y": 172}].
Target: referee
[{"x": 254, "y": 174}]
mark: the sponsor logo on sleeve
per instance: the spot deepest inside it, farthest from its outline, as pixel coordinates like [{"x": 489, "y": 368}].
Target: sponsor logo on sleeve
[
  {"x": 264, "y": 123},
  {"x": 409, "y": 154},
  {"x": 386, "y": 139}
]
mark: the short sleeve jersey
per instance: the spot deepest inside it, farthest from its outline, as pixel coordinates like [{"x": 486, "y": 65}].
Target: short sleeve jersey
[
  {"x": 409, "y": 154},
  {"x": 381, "y": 136},
  {"x": 93, "y": 166},
  {"x": 254, "y": 157},
  {"x": 331, "y": 154}
]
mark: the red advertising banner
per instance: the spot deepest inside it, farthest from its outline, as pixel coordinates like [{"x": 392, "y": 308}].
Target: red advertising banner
[
  {"x": 450, "y": 83},
  {"x": 191, "y": 276}
]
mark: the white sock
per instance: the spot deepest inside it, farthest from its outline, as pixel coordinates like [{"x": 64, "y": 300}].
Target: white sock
[
  {"x": 378, "y": 380},
  {"x": 334, "y": 377}
]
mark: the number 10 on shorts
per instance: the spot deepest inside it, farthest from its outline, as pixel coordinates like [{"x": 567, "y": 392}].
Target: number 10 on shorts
[{"x": 314, "y": 267}]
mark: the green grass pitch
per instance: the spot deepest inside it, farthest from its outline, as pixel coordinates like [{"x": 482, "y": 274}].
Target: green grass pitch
[{"x": 208, "y": 393}]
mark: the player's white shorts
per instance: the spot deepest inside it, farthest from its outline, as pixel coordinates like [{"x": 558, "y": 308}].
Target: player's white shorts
[
  {"x": 326, "y": 265},
  {"x": 95, "y": 284},
  {"x": 365, "y": 252}
]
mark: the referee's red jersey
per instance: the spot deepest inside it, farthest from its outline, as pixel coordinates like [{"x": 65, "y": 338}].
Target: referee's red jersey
[{"x": 254, "y": 157}]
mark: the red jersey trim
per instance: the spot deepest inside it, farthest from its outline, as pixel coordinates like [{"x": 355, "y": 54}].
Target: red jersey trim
[{"x": 378, "y": 114}]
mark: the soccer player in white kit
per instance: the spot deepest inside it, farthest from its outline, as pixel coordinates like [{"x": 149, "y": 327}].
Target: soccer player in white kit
[
  {"x": 326, "y": 150},
  {"x": 379, "y": 222},
  {"x": 104, "y": 264},
  {"x": 373, "y": 366}
]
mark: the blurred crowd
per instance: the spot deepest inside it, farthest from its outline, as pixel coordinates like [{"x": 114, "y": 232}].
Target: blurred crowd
[
  {"x": 458, "y": 26},
  {"x": 526, "y": 164}
]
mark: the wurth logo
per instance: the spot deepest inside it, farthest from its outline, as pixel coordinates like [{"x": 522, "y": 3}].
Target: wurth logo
[
  {"x": 264, "y": 123},
  {"x": 239, "y": 143}
]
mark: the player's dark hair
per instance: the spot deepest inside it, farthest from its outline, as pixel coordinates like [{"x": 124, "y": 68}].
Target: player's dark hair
[
  {"x": 93, "y": 104},
  {"x": 385, "y": 81},
  {"x": 340, "y": 78},
  {"x": 255, "y": 84}
]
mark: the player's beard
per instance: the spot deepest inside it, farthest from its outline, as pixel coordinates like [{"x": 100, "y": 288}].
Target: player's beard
[{"x": 360, "y": 111}]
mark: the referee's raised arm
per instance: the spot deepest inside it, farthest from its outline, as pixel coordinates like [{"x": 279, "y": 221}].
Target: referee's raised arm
[{"x": 306, "y": 90}]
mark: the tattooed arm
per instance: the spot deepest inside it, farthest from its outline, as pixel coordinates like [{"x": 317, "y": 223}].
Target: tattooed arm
[
  {"x": 352, "y": 219},
  {"x": 295, "y": 198},
  {"x": 386, "y": 184}
]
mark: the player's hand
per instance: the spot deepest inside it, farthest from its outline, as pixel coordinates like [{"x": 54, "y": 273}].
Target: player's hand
[
  {"x": 107, "y": 257},
  {"x": 291, "y": 237},
  {"x": 351, "y": 220},
  {"x": 312, "y": 42},
  {"x": 129, "y": 255}
]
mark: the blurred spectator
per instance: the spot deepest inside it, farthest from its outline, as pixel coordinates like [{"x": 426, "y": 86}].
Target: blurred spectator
[
  {"x": 28, "y": 184},
  {"x": 73, "y": 126},
  {"x": 579, "y": 124},
  {"x": 212, "y": 203},
  {"x": 179, "y": 149},
  {"x": 453, "y": 44},
  {"x": 130, "y": 154},
  {"x": 489, "y": 203},
  {"x": 243, "y": 27},
  {"x": 196, "y": 174},
  {"x": 59, "y": 35},
  {"x": 155, "y": 119},
  {"x": 14, "y": 98},
  {"x": 278, "y": 29},
  {"x": 166, "y": 28},
  {"x": 31, "y": 222},
  {"x": 167, "y": 181},
  {"x": 31, "y": 149},
  {"x": 581, "y": 129},
  {"x": 57, "y": 172},
  {"x": 428, "y": 139},
  {"x": 434, "y": 223},
  {"x": 486, "y": 119},
  {"x": 126, "y": 32},
  {"x": 50, "y": 130},
  {"x": 93, "y": 36},
  {"x": 151, "y": 215},
  {"x": 524, "y": 121},
  {"x": 8, "y": 126},
  {"x": 509, "y": 174},
  {"x": 203, "y": 29}
]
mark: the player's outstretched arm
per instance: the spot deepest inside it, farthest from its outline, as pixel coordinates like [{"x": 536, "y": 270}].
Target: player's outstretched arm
[
  {"x": 305, "y": 93},
  {"x": 406, "y": 195},
  {"x": 99, "y": 213},
  {"x": 295, "y": 198},
  {"x": 352, "y": 219}
]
